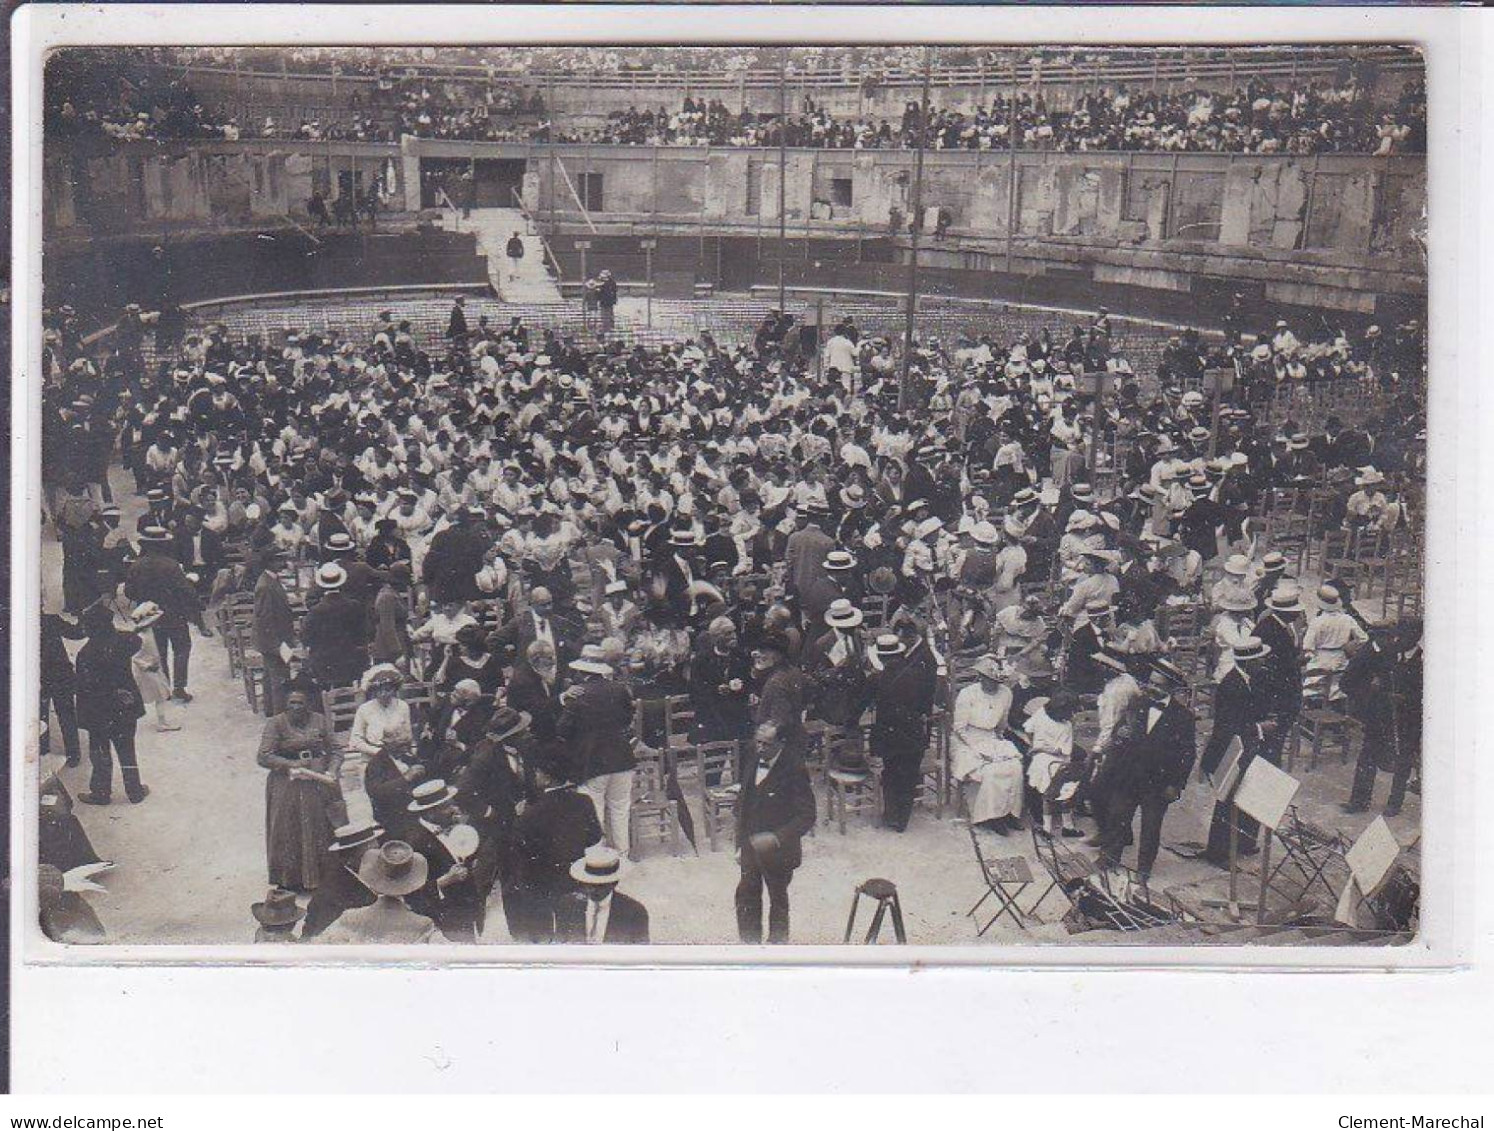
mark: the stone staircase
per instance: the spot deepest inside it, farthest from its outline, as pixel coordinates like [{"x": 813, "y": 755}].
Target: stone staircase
[{"x": 533, "y": 282}]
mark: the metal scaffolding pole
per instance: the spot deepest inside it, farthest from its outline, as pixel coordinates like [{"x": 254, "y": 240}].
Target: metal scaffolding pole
[
  {"x": 782, "y": 168},
  {"x": 923, "y": 140}
]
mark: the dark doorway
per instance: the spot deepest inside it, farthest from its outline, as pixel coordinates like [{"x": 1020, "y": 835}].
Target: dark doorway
[{"x": 485, "y": 183}]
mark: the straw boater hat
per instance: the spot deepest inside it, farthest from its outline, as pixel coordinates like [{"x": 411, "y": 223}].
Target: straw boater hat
[
  {"x": 1251, "y": 648},
  {"x": 600, "y": 865},
  {"x": 1026, "y": 497},
  {"x": 889, "y": 645},
  {"x": 393, "y": 869},
  {"x": 354, "y": 835},
  {"x": 1171, "y": 671},
  {"x": 684, "y": 536},
  {"x": 591, "y": 662},
  {"x": 843, "y": 614},
  {"x": 1285, "y": 599},
  {"x": 278, "y": 909},
  {"x": 146, "y": 614},
  {"x": 988, "y": 666},
  {"x": 154, "y": 534},
  {"x": 853, "y": 496},
  {"x": 1237, "y": 565},
  {"x": 1297, "y": 442},
  {"x": 331, "y": 577},
  {"x": 1329, "y": 598},
  {"x": 1237, "y": 601},
  {"x": 340, "y": 542},
  {"x": 985, "y": 533},
  {"x": 837, "y": 560},
  {"x": 1274, "y": 562},
  {"x": 431, "y": 795},
  {"x": 929, "y": 526}
]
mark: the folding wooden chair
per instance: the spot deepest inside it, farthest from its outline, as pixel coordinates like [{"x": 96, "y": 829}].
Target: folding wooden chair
[
  {"x": 1067, "y": 870},
  {"x": 1006, "y": 878},
  {"x": 1309, "y": 852},
  {"x": 653, "y": 816},
  {"x": 340, "y": 704},
  {"x": 1321, "y": 724},
  {"x": 719, "y": 786}
]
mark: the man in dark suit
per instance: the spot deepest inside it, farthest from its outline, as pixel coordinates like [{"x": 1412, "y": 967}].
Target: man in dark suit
[
  {"x": 555, "y": 829},
  {"x": 774, "y": 811},
  {"x": 903, "y": 697},
  {"x": 1281, "y": 671},
  {"x": 455, "y": 729},
  {"x": 540, "y": 622},
  {"x": 598, "y": 913},
  {"x": 341, "y": 889},
  {"x": 596, "y": 731},
  {"x": 454, "y": 559},
  {"x": 720, "y": 685},
  {"x": 199, "y": 550},
  {"x": 1151, "y": 757},
  {"x": 461, "y": 875},
  {"x": 335, "y": 632},
  {"x": 157, "y": 576},
  {"x": 1240, "y": 706}
]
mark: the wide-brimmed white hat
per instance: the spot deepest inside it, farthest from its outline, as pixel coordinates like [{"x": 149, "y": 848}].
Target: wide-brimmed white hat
[
  {"x": 890, "y": 645},
  {"x": 985, "y": 533},
  {"x": 331, "y": 576},
  {"x": 146, "y": 614},
  {"x": 1285, "y": 599},
  {"x": 431, "y": 795},
  {"x": 599, "y": 865},
  {"x": 1238, "y": 565},
  {"x": 1368, "y": 477},
  {"x": 843, "y": 614},
  {"x": 837, "y": 560}
]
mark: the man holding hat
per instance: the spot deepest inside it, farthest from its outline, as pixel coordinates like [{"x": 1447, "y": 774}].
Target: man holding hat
[
  {"x": 774, "y": 811},
  {"x": 463, "y": 863},
  {"x": 598, "y": 913},
  {"x": 156, "y": 576}
]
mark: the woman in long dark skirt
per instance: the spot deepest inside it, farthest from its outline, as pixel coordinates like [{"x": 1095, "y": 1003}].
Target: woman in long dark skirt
[{"x": 303, "y": 802}]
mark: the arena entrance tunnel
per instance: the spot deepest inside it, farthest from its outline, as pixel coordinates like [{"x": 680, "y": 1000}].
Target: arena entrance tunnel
[{"x": 483, "y": 182}]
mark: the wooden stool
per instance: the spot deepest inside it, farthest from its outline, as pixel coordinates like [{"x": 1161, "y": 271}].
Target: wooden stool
[
  {"x": 850, "y": 794},
  {"x": 885, "y": 893}
]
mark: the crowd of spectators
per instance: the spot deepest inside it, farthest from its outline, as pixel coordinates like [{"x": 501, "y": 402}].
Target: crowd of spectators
[
  {"x": 1256, "y": 118},
  {"x": 137, "y": 100}
]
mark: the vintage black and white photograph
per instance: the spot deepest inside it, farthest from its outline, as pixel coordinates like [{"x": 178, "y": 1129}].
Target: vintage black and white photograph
[{"x": 852, "y": 496}]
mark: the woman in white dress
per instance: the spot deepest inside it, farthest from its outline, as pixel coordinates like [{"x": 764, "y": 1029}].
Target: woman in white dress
[{"x": 987, "y": 765}]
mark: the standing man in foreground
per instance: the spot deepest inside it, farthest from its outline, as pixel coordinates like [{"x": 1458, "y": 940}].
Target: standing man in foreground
[
  {"x": 1155, "y": 747},
  {"x": 776, "y": 808}
]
